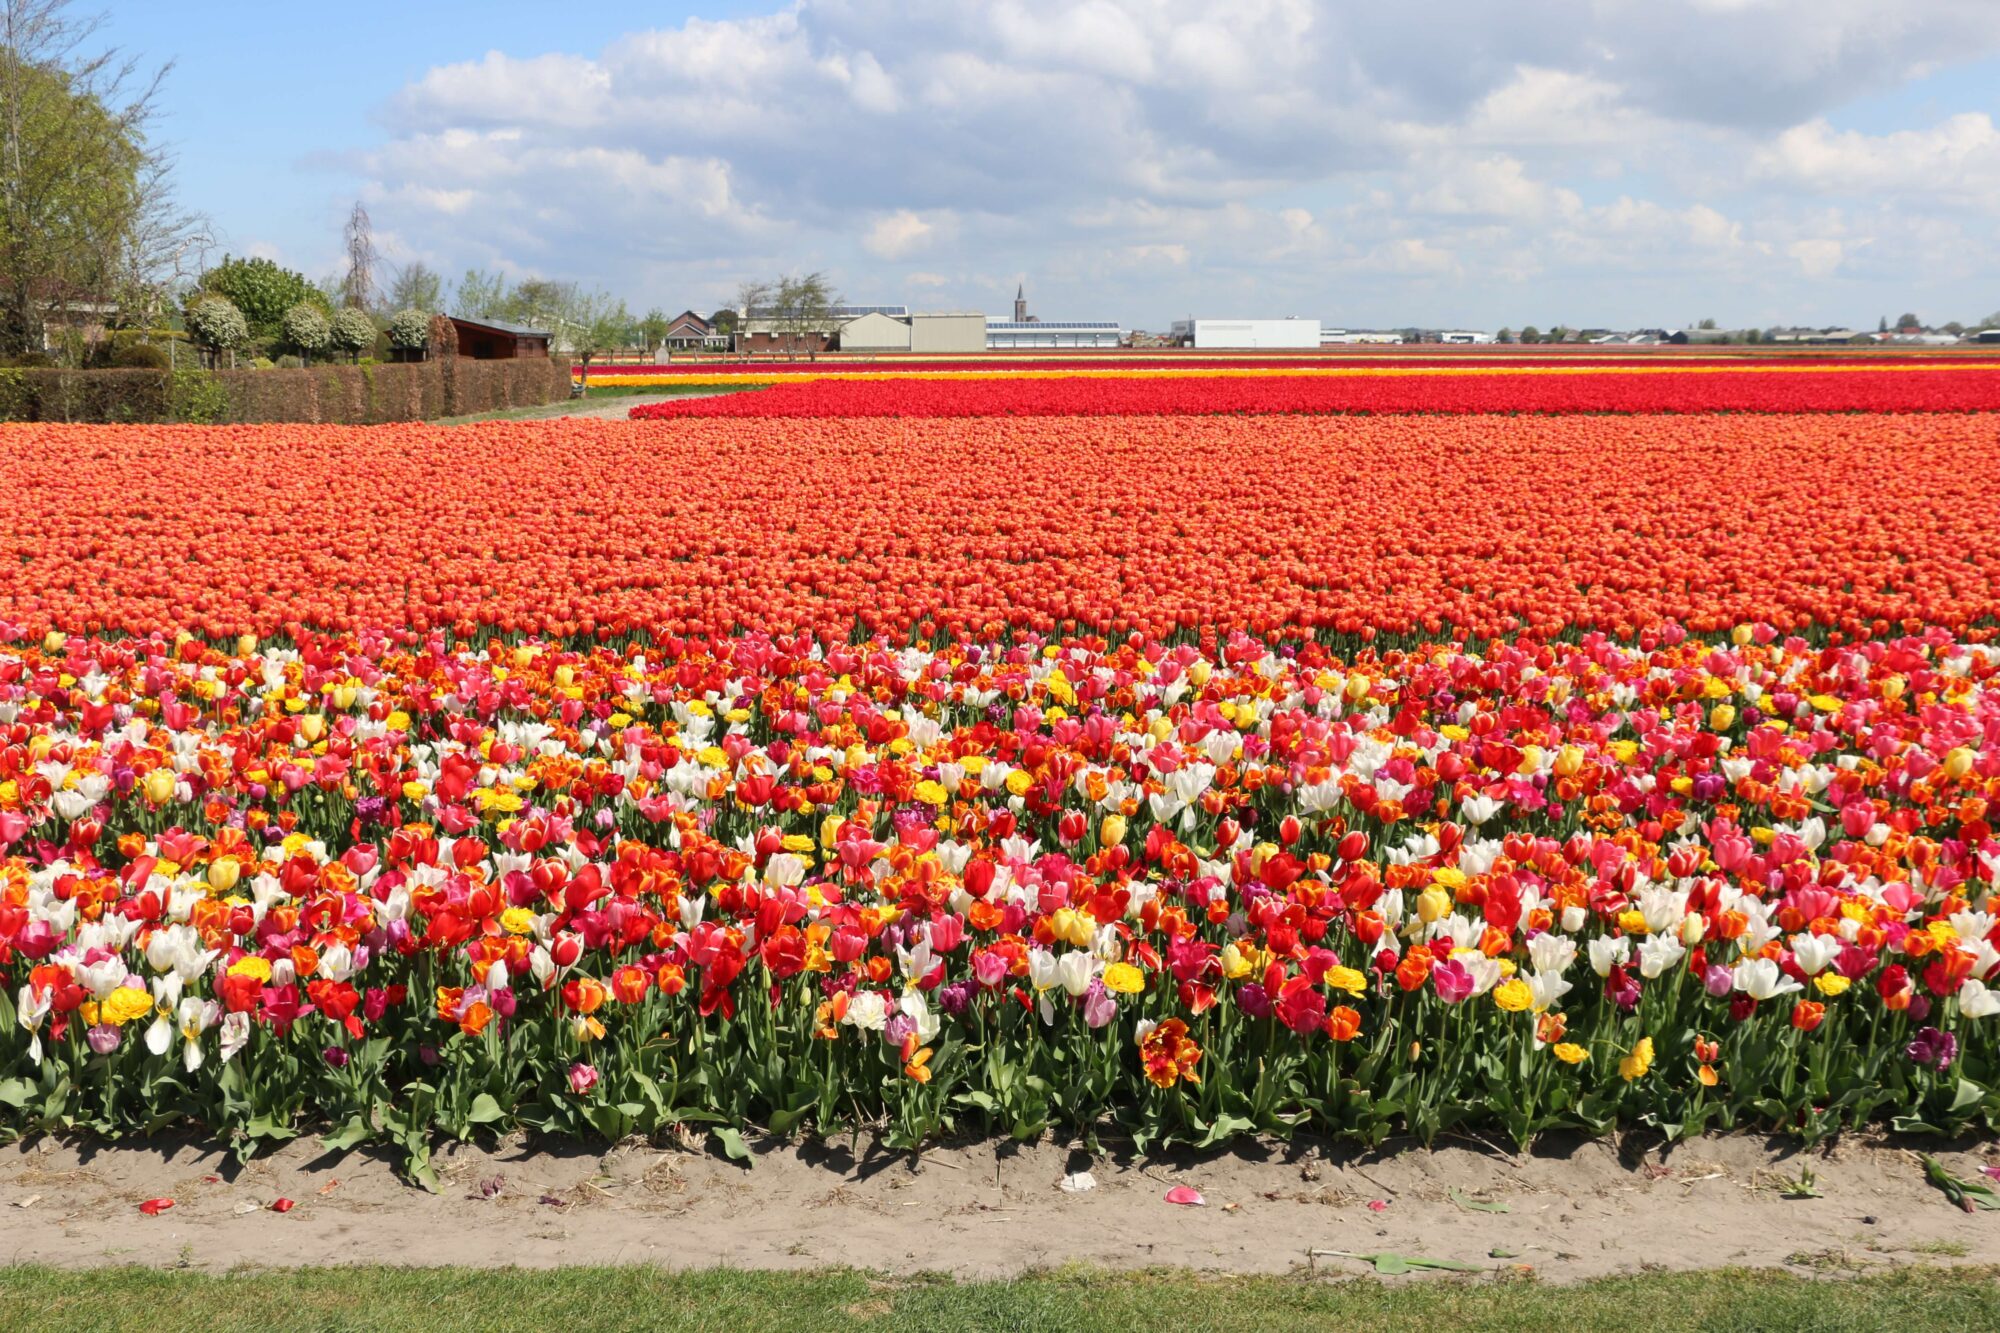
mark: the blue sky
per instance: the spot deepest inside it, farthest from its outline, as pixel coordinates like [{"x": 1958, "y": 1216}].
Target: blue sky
[{"x": 1594, "y": 162}]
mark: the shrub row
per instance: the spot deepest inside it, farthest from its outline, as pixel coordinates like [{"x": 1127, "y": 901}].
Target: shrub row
[{"x": 349, "y": 395}]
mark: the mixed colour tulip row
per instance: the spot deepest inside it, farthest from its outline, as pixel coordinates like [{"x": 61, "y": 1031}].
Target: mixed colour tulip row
[{"x": 380, "y": 887}]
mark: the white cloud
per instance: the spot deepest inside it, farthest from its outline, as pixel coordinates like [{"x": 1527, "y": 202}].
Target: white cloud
[
  {"x": 897, "y": 234},
  {"x": 1959, "y": 156},
  {"x": 1146, "y": 154}
]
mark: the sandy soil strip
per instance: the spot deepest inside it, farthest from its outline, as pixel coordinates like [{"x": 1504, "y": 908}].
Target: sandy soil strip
[{"x": 1572, "y": 1210}]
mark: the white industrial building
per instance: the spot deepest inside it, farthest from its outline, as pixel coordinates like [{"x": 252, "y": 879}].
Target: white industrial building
[
  {"x": 1247, "y": 333},
  {"x": 1464, "y": 336},
  {"x": 1329, "y": 337},
  {"x": 1025, "y": 331},
  {"x": 1008, "y": 334}
]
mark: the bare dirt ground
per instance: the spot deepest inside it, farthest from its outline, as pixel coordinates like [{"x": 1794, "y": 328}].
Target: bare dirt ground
[{"x": 1566, "y": 1211}]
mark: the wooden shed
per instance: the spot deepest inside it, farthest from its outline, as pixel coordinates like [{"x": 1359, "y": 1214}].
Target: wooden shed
[{"x": 497, "y": 340}]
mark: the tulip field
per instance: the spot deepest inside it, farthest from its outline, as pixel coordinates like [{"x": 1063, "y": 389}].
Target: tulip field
[{"x": 1009, "y": 752}]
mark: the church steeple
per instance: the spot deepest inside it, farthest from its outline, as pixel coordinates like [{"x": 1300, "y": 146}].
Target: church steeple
[{"x": 1021, "y": 304}]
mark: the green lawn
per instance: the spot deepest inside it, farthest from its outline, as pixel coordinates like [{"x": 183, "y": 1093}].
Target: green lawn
[{"x": 436, "y": 1300}]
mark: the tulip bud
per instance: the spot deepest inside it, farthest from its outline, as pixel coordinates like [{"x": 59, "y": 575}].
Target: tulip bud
[
  {"x": 53, "y": 641},
  {"x": 1693, "y": 927},
  {"x": 1531, "y": 759},
  {"x": 312, "y": 726},
  {"x": 246, "y": 644},
  {"x": 343, "y": 697},
  {"x": 565, "y": 676},
  {"x": 1199, "y": 673},
  {"x": 223, "y": 873},
  {"x": 1288, "y": 830},
  {"x": 1721, "y": 717},
  {"x": 1741, "y": 635},
  {"x": 1112, "y": 832},
  {"x": 1893, "y": 687},
  {"x": 1354, "y": 845},
  {"x": 160, "y": 786},
  {"x": 1357, "y": 689},
  {"x": 1958, "y": 763},
  {"x": 1568, "y": 760}
]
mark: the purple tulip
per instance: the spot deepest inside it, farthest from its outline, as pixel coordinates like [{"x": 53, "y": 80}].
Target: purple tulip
[
  {"x": 1933, "y": 1049},
  {"x": 1098, "y": 1006}
]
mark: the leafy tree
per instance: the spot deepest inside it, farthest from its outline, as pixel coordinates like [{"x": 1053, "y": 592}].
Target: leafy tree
[
  {"x": 352, "y": 332},
  {"x": 1954, "y": 328},
  {"x": 77, "y": 176},
  {"x": 1505, "y": 336},
  {"x": 591, "y": 325},
  {"x": 262, "y": 290},
  {"x": 723, "y": 322},
  {"x": 1530, "y": 334},
  {"x": 1706, "y": 324},
  {"x": 410, "y": 330},
  {"x": 216, "y": 324},
  {"x": 307, "y": 329},
  {"x": 1992, "y": 321},
  {"x": 803, "y": 307},
  {"x": 416, "y": 286},
  {"x": 480, "y": 295},
  {"x": 1906, "y": 320},
  {"x": 1882, "y": 325},
  {"x": 653, "y": 328}
]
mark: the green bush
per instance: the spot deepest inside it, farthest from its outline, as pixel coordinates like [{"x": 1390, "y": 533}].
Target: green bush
[
  {"x": 409, "y": 330},
  {"x": 139, "y": 356},
  {"x": 217, "y": 324},
  {"x": 198, "y": 397},
  {"x": 307, "y": 329},
  {"x": 352, "y": 331}
]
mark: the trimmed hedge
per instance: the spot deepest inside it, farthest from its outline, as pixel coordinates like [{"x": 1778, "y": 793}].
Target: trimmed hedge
[{"x": 349, "y": 395}]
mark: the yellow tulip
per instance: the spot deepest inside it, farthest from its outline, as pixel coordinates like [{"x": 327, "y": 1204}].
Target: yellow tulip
[
  {"x": 160, "y": 786},
  {"x": 1721, "y": 717},
  {"x": 223, "y": 874},
  {"x": 1112, "y": 831},
  {"x": 1432, "y": 904},
  {"x": 312, "y": 726}
]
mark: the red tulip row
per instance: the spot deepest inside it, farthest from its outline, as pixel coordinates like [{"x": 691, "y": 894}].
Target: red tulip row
[
  {"x": 1922, "y": 387},
  {"x": 1298, "y": 524},
  {"x": 1499, "y": 359}
]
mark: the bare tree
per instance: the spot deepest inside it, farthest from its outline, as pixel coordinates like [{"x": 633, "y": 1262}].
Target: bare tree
[
  {"x": 804, "y": 309},
  {"x": 751, "y": 295},
  {"x": 358, "y": 289}
]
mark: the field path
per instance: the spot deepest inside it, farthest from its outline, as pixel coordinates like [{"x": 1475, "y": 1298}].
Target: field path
[{"x": 1566, "y": 1211}]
